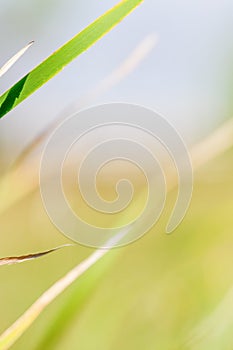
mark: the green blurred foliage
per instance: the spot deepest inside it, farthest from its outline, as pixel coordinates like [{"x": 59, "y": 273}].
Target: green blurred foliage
[{"x": 159, "y": 292}]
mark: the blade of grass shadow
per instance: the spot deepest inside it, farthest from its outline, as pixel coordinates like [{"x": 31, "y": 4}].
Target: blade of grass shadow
[
  {"x": 13, "y": 95},
  {"x": 67, "y": 53}
]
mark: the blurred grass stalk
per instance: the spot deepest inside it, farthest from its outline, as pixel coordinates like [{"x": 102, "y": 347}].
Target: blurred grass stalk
[
  {"x": 128, "y": 66},
  {"x": 212, "y": 146},
  {"x": 220, "y": 141},
  {"x": 215, "y": 144},
  {"x": 18, "y": 191},
  {"x": 22, "y": 178},
  {"x": 19, "y": 180},
  {"x": 22, "y": 324}
]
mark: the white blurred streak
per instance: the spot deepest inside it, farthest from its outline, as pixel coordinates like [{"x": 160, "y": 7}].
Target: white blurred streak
[
  {"x": 128, "y": 66},
  {"x": 14, "y": 59},
  {"x": 138, "y": 55},
  {"x": 212, "y": 146},
  {"x": 22, "y": 178},
  {"x": 219, "y": 320},
  {"x": 214, "y": 325},
  {"x": 18, "y": 328},
  {"x": 217, "y": 143}
]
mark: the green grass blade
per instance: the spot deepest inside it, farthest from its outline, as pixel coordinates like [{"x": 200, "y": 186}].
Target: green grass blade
[
  {"x": 122, "y": 71},
  {"x": 59, "y": 59}
]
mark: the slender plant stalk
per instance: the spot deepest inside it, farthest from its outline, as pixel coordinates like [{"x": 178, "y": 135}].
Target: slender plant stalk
[
  {"x": 21, "y": 325},
  {"x": 19, "y": 259},
  {"x": 217, "y": 143}
]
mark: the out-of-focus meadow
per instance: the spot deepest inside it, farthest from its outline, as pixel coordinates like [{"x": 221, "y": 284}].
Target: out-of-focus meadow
[{"x": 165, "y": 292}]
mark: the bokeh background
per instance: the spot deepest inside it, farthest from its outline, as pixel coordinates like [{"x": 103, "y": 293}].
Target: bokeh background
[{"x": 164, "y": 292}]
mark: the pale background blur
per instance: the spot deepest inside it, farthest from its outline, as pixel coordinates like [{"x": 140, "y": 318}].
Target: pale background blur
[
  {"x": 186, "y": 77},
  {"x": 173, "y": 292}
]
